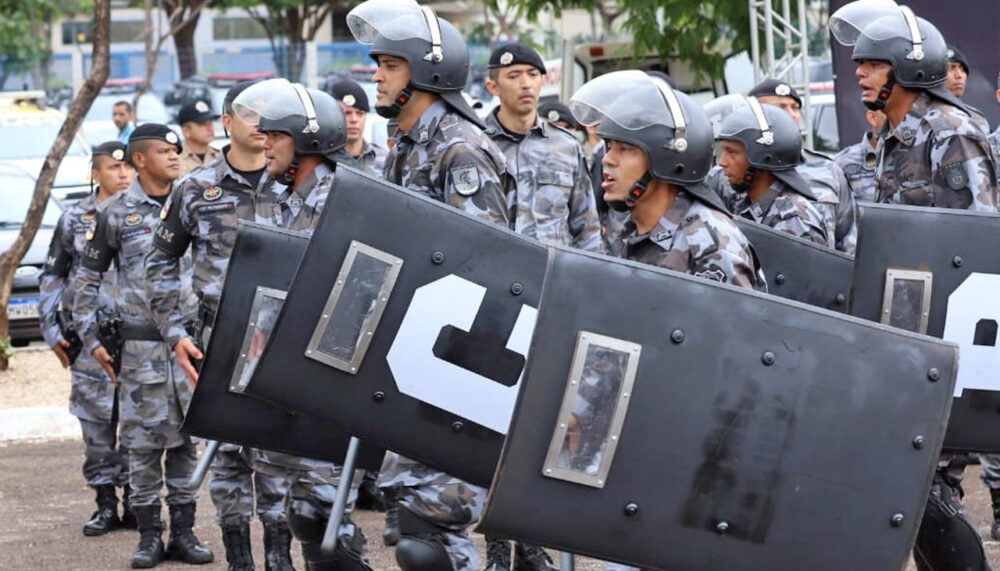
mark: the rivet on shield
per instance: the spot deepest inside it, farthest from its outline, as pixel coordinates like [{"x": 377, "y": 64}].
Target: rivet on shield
[
  {"x": 309, "y": 352},
  {"x": 516, "y": 288},
  {"x": 326, "y": 316},
  {"x": 768, "y": 358},
  {"x": 897, "y": 520},
  {"x": 958, "y": 261},
  {"x": 354, "y": 369},
  {"x": 378, "y": 396},
  {"x": 457, "y": 426},
  {"x": 840, "y": 299},
  {"x": 918, "y": 442},
  {"x": 779, "y": 279},
  {"x": 631, "y": 509},
  {"x": 722, "y": 527},
  {"x": 934, "y": 374},
  {"x": 677, "y": 336},
  {"x": 437, "y": 257}
]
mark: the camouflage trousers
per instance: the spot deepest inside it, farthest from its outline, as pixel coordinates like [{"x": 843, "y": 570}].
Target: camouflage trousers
[
  {"x": 237, "y": 481},
  {"x": 154, "y": 395},
  {"x": 442, "y": 500},
  {"x": 149, "y": 469},
  {"x": 104, "y": 464},
  {"x": 990, "y": 463},
  {"x": 92, "y": 394}
]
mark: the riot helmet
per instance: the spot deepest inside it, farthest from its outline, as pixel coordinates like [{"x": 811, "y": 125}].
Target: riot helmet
[
  {"x": 634, "y": 108},
  {"x": 312, "y": 118},
  {"x": 433, "y": 47},
  {"x": 881, "y": 30}
]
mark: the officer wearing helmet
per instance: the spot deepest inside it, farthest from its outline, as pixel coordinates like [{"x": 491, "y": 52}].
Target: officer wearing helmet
[
  {"x": 659, "y": 151},
  {"x": 306, "y": 135},
  {"x": 761, "y": 149},
  {"x": 440, "y": 151},
  {"x": 933, "y": 150}
]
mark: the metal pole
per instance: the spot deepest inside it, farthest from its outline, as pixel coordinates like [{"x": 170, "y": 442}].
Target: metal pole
[
  {"x": 566, "y": 561},
  {"x": 340, "y": 503},
  {"x": 211, "y": 447},
  {"x": 754, "y": 42},
  {"x": 769, "y": 36},
  {"x": 806, "y": 102}
]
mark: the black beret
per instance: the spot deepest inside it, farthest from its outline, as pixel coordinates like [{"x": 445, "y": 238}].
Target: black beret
[
  {"x": 553, "y": 111},
  {"x": 954, "y": 55},
  {"x": 234, "y": 91},
  {"x": 114, "y": 149},
  {"x": 198, "y": 112},
  {"x": 775, "y": 87},
  {"x": 514, "y": 53},
  {"x": 154, "y": 132},
  {"x": 351, "y": 94}
]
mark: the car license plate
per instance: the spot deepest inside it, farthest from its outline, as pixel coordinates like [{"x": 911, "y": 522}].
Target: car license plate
[{"x": 25, "y": 308}]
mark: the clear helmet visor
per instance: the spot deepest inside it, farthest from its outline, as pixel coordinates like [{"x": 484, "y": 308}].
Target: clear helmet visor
[
  {"x": 249, "y": 104},
  {"x": 848, "y": 23},
  {"x": 392, "y": 19},
  {"x": 720, "y": 108},
  {"x": 630, "y": 98}
]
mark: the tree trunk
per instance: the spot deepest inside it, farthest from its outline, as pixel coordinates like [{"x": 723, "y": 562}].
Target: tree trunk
[
  {"x": 187, "y": 59},
  {"x": 81, "y": 104}
]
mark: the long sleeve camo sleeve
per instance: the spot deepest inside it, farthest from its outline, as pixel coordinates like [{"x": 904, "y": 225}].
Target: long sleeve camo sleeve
[
  {"x": 163, "y": 269},
  {"x": 53, "y": 282},
  {"x": 99, "y": 251}
]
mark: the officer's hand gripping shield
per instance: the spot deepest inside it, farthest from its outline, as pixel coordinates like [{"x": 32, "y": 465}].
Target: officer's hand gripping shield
[{"x": 702, "y": 427}]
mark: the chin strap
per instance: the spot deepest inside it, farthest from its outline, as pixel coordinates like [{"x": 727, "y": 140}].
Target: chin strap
[
  {"x": 638, "y": 189},
  {"x": 288, "y": 177},
  {"x": 402, "y": 99},
  {"x": 744, "y": 184},
  {"x": 883, "y": 94}
]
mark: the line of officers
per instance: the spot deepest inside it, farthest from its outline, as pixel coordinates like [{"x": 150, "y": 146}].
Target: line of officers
[{"x": 136, "y": 269}]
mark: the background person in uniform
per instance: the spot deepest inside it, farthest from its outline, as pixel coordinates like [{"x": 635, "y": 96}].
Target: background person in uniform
[
  {"x": 554, "y": 202},
  {"x": 121, "y": 116},
  {"x": 834, "y": 198},
  {"x": 92, "y": 395},
  {"x": 994, "y": 137},
  {"x": 559, "y": 115},
  {"x": 858, "y": 160},
  {"x": 932, "y": 152},
  {"x": 198, "y": 127},
  {"x": 441, "y": 152},
  {"x": 155, "y": 393},
  {"x": 354, "y": 103},
  {"x": 958, "y": 72},
  {"x": 761, "y": 149},
  {"x": 304, "y": 162},
  {"x": 201, "y": 216}
]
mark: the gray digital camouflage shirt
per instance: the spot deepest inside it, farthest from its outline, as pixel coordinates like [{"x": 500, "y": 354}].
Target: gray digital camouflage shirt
[
  {"x": 858, "y": 163},
  {"x": 785, "y": 210}
]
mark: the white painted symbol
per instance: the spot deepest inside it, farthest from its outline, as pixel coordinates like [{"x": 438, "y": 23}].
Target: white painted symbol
[
  {"x": 972, "y": 303},
  {"x": 454, "y": 301}
]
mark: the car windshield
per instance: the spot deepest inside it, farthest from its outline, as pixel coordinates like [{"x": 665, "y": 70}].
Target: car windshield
[
  {"x": 30, "y": 137},
  {"x": 16, "y": 198},
  {"x": 151, "y": 109}
]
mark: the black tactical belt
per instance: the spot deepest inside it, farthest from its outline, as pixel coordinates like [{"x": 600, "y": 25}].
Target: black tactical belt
[{"x": 140, "y": 332}]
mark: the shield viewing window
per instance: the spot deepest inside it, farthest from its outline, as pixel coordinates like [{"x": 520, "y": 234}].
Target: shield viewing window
[
  {"x": 906, "y": 301},
  {"x": 264, "y": 311},
  {"x": 593, "y": 409},
  {"x": 354, "y": 307}
]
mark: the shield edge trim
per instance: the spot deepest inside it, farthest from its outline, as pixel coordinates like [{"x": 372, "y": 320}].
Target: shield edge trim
[{"x": 898, "y": 274}]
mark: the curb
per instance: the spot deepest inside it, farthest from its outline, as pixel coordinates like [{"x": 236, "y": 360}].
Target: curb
[{"x": 38, "y": 423}]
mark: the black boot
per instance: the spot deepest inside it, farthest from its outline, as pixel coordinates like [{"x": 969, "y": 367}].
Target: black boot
[
  {"x": 277, "y": 547},
  {"x": 128, "y": 518},
  {"x": 236, "y": 538},
  {"x": 390, "y": 536},
  {"x": 150, "y": 550},
  {"x": 370, "y": 496},
  {"x": 106, "y": 517},
  {"x": 497, "y": 554},
  {"x": 183, "y": 545},
  {"x": 995, "y": 498},
  {"x": 531, "y": 558}
]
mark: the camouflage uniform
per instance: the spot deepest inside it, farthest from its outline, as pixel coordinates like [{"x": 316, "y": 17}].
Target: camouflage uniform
[
  {"x": 450, "y": 160},
  {"x": 372, "y": 159},
  {"x": 783, "y": 209},
  {"x": 693, "y": 238},
  {"x": 92, "y": 394},
  {"x": 202, "y": 213},
  {"x": 960, "y": 172},
  {"x": 191, "y": 162},
  {"x": 554, "y": 202},
  {"x": 994, "y": 140},
  {"x": 858, "y": 163},
  {"x": 834, "y": 199},
  {"x": 154, "y": 390}
]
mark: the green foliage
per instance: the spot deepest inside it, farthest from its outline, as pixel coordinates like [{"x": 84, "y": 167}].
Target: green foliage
[
  {"x": 23, "y": 40},
  {"x": 6, "y": 349}
]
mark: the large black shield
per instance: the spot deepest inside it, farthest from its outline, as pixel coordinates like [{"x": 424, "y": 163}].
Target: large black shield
[
  {"x": 937, "y": 271},
  {"x": 699, "y": 426},
  {"x": 261, "y": 268},
  {"x": 798, "y": 269},
  {"x": 408, "y": 323}
]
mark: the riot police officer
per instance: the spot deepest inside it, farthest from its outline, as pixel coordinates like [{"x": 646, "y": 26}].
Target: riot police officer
[
  {"x": 354, "y": 103},
  {"x": 440, "y": 151},
  {"x": 858, "y": 160},
  {"x": 932, "y": 152}
]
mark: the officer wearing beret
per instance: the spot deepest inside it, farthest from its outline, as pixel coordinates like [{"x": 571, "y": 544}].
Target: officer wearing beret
[
  {"x": 559, "y": 115},
  {"x": 554, "y": 202},
  {"x": 958, "y": 72},
  {"x": 354, "y": 103},
  {"x": 196, "y": 121},
  {"x": 154, "y": 390}
]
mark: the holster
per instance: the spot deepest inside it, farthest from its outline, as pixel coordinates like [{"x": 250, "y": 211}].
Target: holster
[
  {"x": 109, "y": 333},
  {"x": 71, "y": 337}
]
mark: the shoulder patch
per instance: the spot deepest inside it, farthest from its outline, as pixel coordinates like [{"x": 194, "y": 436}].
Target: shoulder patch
[
  {"x": 212, "y": 193},
  {"x": 465, "y": 179},
  {"x": 713, "y": 273},
  {"x": 955, "y": 176},
  {"x": 133, "y": 219}
]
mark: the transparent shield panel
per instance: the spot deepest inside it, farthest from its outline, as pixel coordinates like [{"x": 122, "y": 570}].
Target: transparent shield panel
[
  {"x": 593, "y": 409},
  {"x": 264, "y": 312},
  {"x": 354, "y": 307},
  {"x": 906, "y": 300}
]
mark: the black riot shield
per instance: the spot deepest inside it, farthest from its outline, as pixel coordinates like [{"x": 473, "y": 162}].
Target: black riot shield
[
  {"x": 262, "y": 265},
  {"x": 937, "y": 271},
  {"x": 408, "y": 323},
  {"x": 700, "y": 426},
  {"x": 798, "y": 269}
]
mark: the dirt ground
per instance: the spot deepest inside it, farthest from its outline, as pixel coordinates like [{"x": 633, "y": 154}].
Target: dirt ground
[{"x": 34, "y": 378}]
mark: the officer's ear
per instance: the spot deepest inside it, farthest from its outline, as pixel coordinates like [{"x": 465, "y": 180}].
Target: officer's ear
[{"x": 491, "y": 81}]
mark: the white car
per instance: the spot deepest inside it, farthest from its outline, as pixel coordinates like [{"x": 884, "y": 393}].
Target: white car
[{"x": 99, "y": 128}]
